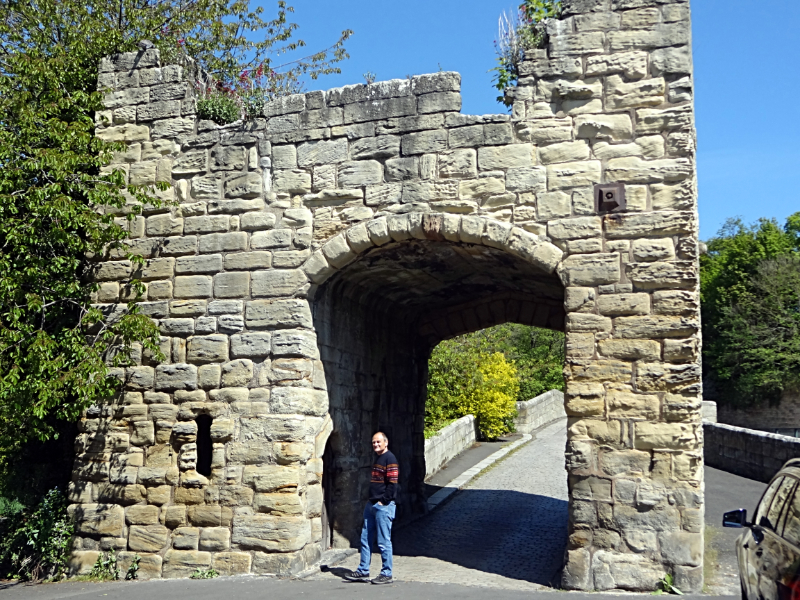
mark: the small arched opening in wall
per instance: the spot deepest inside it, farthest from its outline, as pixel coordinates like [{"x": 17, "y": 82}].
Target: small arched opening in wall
[{"x": 418, "y": 279}]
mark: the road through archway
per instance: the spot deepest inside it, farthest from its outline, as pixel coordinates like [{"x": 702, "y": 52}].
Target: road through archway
[{"x": 506, "y": 529}]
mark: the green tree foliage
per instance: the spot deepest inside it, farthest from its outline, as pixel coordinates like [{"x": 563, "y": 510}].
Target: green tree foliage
[
  {"x": 53, "y": 344},
  {"x": 457, "y": 384},
  {"x": 34, "y": 544},
  {"x": 58, "y": 197},
  {"x": 750, "y": 299},
  {"x": 226, "y": 38},
  {"x": 537, "y": 353},
  {"x": 472, "y": 382},
  {"x": 759, "y": 336}
]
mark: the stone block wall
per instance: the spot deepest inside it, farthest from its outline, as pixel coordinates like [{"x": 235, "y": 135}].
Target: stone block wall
[
  {"x": 373, "y": 378},
  {"x": 449, "y": 443},
  {"x": 537, "y": 412},
  {"x": 313, "y": 257},
  {"x": 753, "y": 454}
]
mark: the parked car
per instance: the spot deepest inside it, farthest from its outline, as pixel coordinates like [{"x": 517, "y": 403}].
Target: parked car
[{"x": 769, "y": 549}]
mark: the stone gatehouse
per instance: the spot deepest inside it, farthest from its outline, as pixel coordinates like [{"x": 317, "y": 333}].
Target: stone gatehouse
[{"x": 313, "y": 257}]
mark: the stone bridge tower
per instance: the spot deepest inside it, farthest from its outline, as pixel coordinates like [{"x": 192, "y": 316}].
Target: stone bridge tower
[{"x": 313, "y": 257}]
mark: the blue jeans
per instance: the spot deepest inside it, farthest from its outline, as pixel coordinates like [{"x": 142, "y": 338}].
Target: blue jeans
[{"x": 377, "y": 527}]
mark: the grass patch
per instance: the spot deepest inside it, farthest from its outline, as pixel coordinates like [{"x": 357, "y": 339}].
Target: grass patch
[{"x": 710, "y": 556}]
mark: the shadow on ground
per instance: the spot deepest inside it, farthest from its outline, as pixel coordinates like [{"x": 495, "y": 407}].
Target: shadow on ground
[{"x": 516, "y": 535}]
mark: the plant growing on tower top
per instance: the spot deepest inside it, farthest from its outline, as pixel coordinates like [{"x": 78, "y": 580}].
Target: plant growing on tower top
[{"x": 517, "y": 33}]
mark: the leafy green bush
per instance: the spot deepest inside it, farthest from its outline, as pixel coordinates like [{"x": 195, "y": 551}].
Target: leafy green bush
[
  {"x": 750, "y": 302},
  {"x": 665, "y": 586},
  {"x": 204, "y": 574},
  {"x": 10, "y": 508},
  {"x": 476, "y": 383},
  {"x": 436, "y": 426},
  {"x": 105, "y": 568},
  {"x": 133, "y": 569},
  {"x": 35, "y": 544},
  {"x": 220, "y": 107},
  {"x": 464, "y": 374}
]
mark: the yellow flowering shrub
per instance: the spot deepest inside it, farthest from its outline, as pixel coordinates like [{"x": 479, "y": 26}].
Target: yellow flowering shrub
[{"x": 479, "y": 383}]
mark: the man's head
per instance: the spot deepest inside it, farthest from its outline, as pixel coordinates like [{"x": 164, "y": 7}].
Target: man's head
[{"x": 380, "y": 443}]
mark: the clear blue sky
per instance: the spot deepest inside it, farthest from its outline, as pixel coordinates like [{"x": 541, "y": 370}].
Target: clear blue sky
[{"x": 747, "y": 82}]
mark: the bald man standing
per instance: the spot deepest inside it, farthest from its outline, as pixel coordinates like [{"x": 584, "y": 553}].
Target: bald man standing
[{"x": 379, "y": 513}]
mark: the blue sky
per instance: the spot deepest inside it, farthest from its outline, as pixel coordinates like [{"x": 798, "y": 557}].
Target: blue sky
[{"x": 747, "y": 82}]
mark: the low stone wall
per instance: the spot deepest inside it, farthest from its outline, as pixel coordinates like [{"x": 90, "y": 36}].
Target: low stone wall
[
  {"x": 460, "y": 435},
  {"x": 783, "y": 417},
  {"x": 746, "y": 452},
  {"x": 449, "y": 443},
  {"x": 544, "y": 409}
]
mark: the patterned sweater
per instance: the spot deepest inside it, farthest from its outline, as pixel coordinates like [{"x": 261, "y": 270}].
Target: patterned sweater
[{"x": 383, "y": 485}]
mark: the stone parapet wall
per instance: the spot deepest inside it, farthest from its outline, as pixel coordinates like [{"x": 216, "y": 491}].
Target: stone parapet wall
[
  {"x": 746, "y": 452},
  {"x": 538, "y": 412},
  {"x": 780, "y": 418},
  {"x": 313, "y": 256},
  {"x": 449, "y": 443}
]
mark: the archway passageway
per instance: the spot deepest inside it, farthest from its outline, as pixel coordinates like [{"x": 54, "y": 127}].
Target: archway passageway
[
  {"x": 377, "y": 320},
  {"x": 506, "y": 529}
]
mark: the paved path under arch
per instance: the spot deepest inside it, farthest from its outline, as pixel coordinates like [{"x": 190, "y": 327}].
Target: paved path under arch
[{"x": 507, "y": 529}]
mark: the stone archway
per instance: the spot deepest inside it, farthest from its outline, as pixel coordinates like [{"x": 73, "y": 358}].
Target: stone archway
[{"x": 401, "y": 285}]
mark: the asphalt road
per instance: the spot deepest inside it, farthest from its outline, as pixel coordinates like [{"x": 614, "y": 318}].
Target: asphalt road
[
  {"x": 726, "y": 492},
  {"x": 246, "y": 588}
]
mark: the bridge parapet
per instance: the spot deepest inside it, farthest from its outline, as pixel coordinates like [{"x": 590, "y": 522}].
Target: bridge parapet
[{"x": 746, "y": 452}]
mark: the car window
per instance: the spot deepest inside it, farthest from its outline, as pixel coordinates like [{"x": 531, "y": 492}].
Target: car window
[
  {"x": 766, "y": 501},
  {"x": 791, "y": 525},
  {"x": 776, "y": 509}
]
